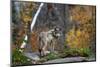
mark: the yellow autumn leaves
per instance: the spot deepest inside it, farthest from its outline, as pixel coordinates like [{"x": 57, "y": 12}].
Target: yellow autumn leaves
[
  {"x": 82, "y": 14},
  {"x": 27, "y": 11},
  {"x": 77, "y": 39},
  {"x": 83, "y": 36}
]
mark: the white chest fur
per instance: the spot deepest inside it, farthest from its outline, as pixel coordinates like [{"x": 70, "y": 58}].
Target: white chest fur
[{"x": 49, "y": 37}]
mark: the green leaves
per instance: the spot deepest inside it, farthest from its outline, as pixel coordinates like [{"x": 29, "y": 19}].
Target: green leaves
[
  {"x": 51, "y": 56},
  {"x": 18, "y": 58},
  {"x": 73, "y": 52}
]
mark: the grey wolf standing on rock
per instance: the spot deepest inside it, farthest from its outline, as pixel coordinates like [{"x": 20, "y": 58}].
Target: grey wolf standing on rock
[{"x": 46, "y": 39}]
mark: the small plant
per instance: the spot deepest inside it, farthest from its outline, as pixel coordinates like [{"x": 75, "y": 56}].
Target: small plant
[
  {"x": 86, "y": 52},
  {"x": 51, "y": 56},
  {"x": 74, "y": 52},
  {"x": 18, "y": 58}
]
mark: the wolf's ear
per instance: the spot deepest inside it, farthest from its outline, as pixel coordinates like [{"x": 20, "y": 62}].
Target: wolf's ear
[{"x": 58, "y": 29}]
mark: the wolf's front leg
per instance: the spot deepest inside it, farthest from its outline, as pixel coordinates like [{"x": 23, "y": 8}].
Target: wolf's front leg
[
  {"x": 44, "y": 49},
  {"x": 51, "y": 46}
]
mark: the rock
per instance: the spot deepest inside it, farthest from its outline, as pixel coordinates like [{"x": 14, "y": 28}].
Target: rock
[
  {"x": 34, "y": 56},
  {"x": 63, "y": 60}
]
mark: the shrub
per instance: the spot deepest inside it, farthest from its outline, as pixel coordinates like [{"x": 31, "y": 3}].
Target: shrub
[
  {"x": 82, "y": 34},
  {"x": 51, "y": 56},
  {"x": 18, "y": 58},
  {"x": 78, "y": 39},
  {"x": 75, "y": 52}
]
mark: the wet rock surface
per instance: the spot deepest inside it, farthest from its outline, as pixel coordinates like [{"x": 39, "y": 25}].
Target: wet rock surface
[
  {"x": 35, "y": 58},
  {"x": 70, "y": 59}
]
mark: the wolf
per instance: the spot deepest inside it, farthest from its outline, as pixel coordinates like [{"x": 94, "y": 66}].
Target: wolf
[{"x": 48, "y": 38}]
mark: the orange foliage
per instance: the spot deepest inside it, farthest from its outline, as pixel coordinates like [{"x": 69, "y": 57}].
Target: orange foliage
[
  {"x": 78, "y": 38},
  {"x": 34, "y": 41},
  {"x": 85, "y": 32},
  {"x": 82, "y": 14}
]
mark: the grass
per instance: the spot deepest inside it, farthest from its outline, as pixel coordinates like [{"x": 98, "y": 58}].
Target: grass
[
  {"x": 74, "y": 52},
  {"x": 19, "y": 59},
  {"x": 50, "y": 56}
]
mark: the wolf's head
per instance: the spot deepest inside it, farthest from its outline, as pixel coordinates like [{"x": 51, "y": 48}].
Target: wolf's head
[{"x": 57, "y": 32}]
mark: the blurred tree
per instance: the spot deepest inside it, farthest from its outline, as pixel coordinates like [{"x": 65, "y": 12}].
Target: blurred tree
[
  {"x": 22, "y": 14},
  {"x": 82, "y": 34}
]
